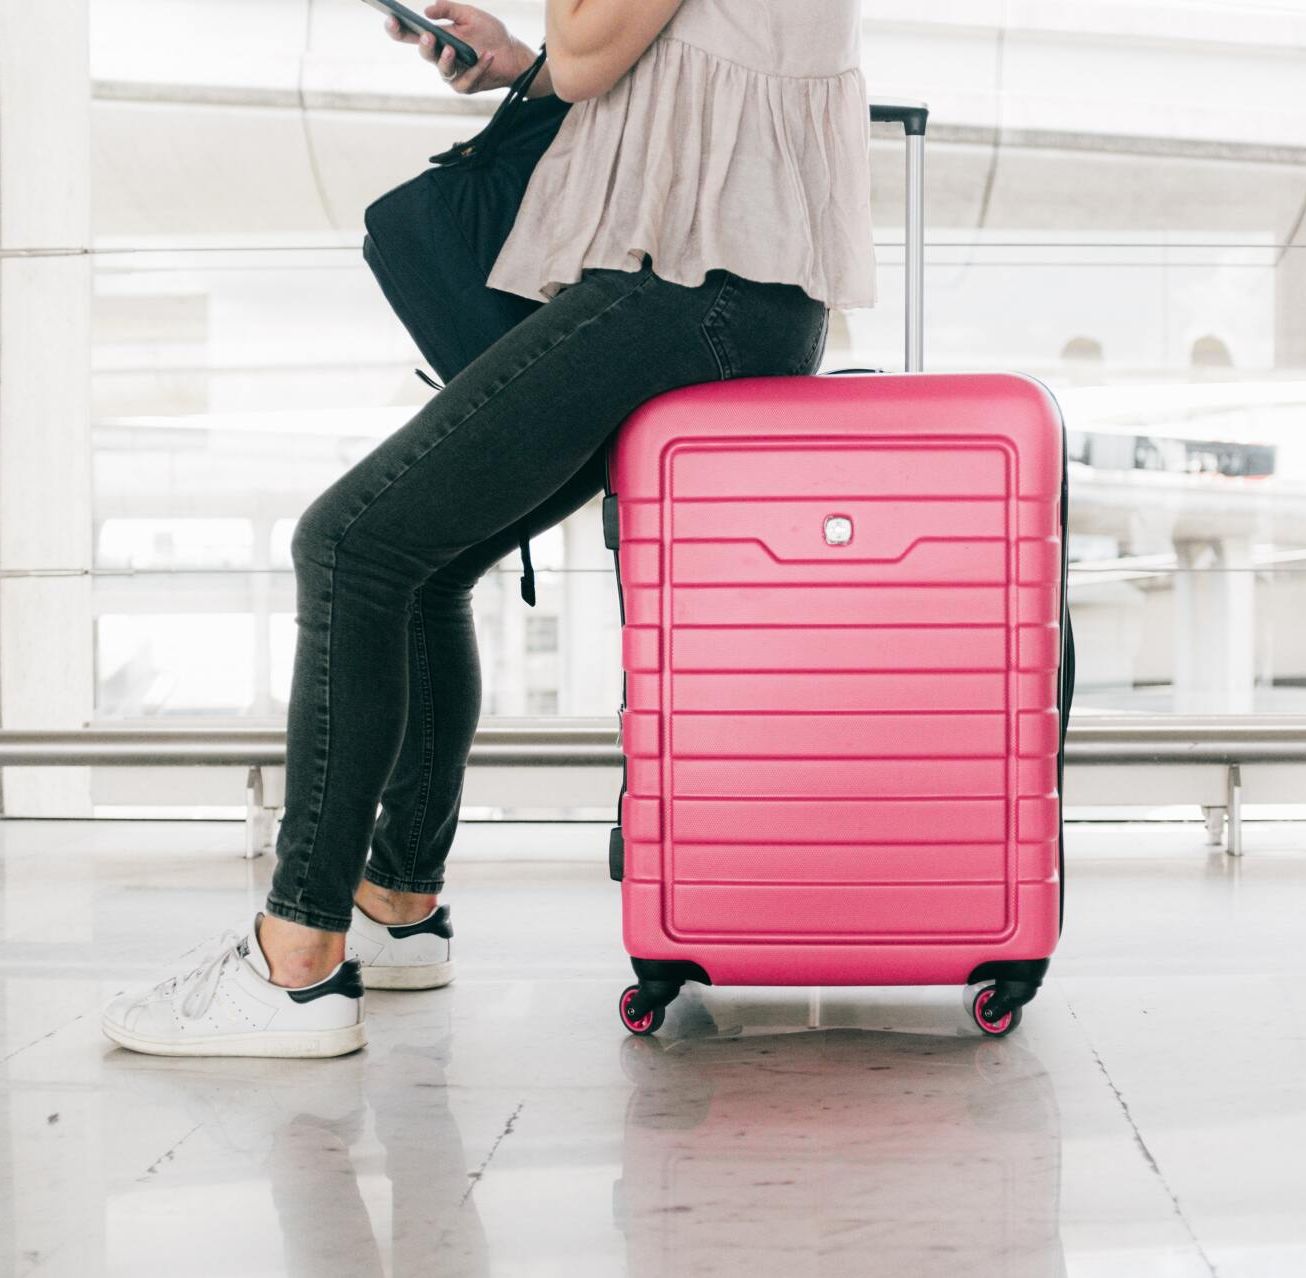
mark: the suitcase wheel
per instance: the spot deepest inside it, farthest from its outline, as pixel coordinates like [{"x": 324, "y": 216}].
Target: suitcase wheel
[
  {"x": 993, "y": 1028},
  {"x": 648, "y": 1023}
]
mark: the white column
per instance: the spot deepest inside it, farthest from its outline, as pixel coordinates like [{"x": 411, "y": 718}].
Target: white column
[
  {"x": 1214, "y": 627},
  {"x": 46, "y": 667}
]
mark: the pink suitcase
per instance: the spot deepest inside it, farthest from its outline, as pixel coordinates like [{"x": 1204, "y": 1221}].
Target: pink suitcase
[{"x": 842, "y": 604}]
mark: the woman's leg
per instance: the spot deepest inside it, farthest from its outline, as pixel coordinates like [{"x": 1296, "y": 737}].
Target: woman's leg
[
  {"x": 419, "y": 805},
  {"x": 507, "y": 432}
]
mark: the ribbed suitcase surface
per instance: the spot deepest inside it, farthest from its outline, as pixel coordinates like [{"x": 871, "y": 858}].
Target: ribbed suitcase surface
[{"x": 841, "y": 644}]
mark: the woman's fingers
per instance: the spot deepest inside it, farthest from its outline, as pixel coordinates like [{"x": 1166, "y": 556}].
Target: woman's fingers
[
  {"x": 396, "y": 32},
  {"x": 460, "y": 79},
  {"x": 471, "y": 79},
  {"x": 447, "y": 9},
  {"x": 441, "y": 55}
]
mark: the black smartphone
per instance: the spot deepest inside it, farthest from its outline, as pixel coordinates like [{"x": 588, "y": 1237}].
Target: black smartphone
[{"x": 463, "y": 52}]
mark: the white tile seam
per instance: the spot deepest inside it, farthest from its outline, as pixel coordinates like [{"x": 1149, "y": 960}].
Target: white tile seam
[
  {"x": 1139, "y": 1140},
  {"x": 167, "y": 1155},
  {"x": 58, "y": 1029},
  {"x": 474, "y": 1178}
]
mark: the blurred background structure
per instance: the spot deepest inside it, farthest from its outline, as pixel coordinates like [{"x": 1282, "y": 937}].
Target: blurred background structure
[{"x": 191, "y": 347}]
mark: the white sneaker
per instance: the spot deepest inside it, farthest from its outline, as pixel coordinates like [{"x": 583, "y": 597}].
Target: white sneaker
[
  {"x": 402, "y": 956},
  {"x": 228, "y": 1006}
]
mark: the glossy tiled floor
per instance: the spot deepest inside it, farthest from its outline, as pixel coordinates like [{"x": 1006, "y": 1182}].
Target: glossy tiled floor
[{"x": 1149, "y": 1118}]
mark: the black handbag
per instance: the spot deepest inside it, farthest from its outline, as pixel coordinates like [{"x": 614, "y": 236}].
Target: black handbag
[{"x": 432, "y": 242}]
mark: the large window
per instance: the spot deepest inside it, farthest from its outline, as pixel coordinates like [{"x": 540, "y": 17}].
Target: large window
[
  {"x": 1097, "y": 218},
  {"x": 1188, "y": 512}
]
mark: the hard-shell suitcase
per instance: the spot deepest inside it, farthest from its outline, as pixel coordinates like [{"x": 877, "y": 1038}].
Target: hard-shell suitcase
[{"x": 843, "y": 619}]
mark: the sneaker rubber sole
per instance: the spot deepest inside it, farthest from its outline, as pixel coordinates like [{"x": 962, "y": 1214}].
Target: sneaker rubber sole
[
  {"x": 286, "y": 1043},
  {"x": 409, "y": 976}
]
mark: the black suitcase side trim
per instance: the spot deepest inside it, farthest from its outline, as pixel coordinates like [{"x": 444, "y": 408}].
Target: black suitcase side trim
[
  {"x": 612, "y": 539},
  {"x": 616, "y": 854},
  {"x": 611, "y": 529},
  {"x": 1066, "y": 684}
]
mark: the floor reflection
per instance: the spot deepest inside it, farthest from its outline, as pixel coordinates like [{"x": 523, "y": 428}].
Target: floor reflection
[
  {"x": 837, "y": 1151},
  {"x": 362, "y": 1159},
  {"x": 751, "y": 1139},
  {"x": 433, "y": 1225}
]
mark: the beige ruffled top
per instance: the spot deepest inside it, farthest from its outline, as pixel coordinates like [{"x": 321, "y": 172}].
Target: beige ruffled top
[{"x": 739, "y": 139}]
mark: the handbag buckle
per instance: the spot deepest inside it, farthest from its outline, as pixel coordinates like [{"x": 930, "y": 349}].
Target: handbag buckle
[{"x": 516, "y": 94}]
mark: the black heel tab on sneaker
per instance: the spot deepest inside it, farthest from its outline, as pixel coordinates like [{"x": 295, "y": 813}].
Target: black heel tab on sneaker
[
  {"x": 438, "y": 923},
  {"x": 346, "y": 980}
]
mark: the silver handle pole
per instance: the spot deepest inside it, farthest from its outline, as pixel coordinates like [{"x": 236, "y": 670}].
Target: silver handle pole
[
  {"x": 915, "y": 262},
  {"x": 914, "y": 118}
]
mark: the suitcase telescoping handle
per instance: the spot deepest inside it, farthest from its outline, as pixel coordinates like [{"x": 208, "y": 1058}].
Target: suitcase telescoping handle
[{"x": 913, "y": 116}]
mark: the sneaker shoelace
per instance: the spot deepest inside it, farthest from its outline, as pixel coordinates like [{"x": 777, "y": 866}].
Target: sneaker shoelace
[{"x": 192, "y": 992}]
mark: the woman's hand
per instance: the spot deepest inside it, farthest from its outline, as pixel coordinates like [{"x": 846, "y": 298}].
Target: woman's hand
[{"x": 500, "y": 56}]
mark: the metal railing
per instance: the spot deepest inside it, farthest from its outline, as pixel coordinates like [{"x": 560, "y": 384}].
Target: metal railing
[
  {"x": 503, "y": 743},
  {"x": 1228, "y": 741}
]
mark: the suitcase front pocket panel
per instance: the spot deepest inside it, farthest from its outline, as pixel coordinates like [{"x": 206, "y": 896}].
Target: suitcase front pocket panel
[{"x": 841, "y": 712}]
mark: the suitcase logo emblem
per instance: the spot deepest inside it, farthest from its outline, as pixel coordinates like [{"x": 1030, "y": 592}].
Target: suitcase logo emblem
[{"x": 838, "y": 530}]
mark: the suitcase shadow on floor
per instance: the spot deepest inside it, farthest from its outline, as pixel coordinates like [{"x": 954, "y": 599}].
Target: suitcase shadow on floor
[{"x": 837, "y": 1151}]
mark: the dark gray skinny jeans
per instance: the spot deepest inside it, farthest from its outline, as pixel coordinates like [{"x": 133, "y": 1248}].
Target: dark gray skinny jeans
[{"x": 386, "y": 686}]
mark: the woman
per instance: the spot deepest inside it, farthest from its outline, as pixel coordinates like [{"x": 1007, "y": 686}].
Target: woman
[{"x": 705, "y": 203}]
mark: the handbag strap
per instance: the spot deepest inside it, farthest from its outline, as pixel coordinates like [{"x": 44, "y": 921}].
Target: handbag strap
[
  {"x": 481, "y": 144},
  {"x": 527, "y": 77}
]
